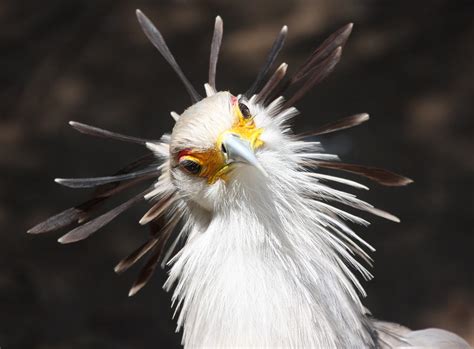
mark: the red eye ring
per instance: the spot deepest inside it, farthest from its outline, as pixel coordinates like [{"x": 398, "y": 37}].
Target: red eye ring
[
  {"x": 184, "y": 152},
  {"x": 188, "y": 162}
]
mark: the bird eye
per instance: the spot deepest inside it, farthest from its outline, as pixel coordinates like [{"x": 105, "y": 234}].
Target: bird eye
[
  {"x": 190, "y": 166},
  {"x": 245, "y": 111}
]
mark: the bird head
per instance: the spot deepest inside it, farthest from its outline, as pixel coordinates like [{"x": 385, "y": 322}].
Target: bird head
[
  {"x": 224, "y": 148},
  {"x": 215, "y": 141}
]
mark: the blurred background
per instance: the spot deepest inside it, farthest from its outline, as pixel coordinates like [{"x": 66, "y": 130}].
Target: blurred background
[{"x": 410, "y": 64}]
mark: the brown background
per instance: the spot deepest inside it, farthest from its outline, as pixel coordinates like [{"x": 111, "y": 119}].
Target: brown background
[{"x": 408, "y": 63}]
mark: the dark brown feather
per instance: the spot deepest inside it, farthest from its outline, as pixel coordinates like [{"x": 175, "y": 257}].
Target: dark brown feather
[
  {"x": 157, "y": 209},
  {"x": 80, "y": 213},
  {"x": 338, "y": 125},
  {"x": 156, "y": 228},
  {"x": 307, "y": 72},
  {"x": 142, "y": 161},
  {"x": 145, "y": 273},
  {"x": 337, "y": 39},
  {"x": 135, "y": 256},
  {"x": 108, "y": 189},
  {"x": 149, "y": 268},
  {"x": 272, "y": 55},
  {"x": 381, "y": 176},
  {"x": 169, "y": 228},
  {"x": 80, "y": 183},
  {"x": 84, "y": 231},
  {"x": 272, "y": 84},
  {"x": 64, "y": 218},
  {"x": 155, "y": 37},
  {"x": 317, "y": 74},
  {"x": 98, "y": 132}
]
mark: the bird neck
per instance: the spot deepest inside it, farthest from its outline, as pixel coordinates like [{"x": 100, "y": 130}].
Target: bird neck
[{"x": 261, "y": 274}]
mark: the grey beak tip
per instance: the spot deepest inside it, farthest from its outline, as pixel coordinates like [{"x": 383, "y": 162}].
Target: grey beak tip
[{"x": 240, "y": 150}]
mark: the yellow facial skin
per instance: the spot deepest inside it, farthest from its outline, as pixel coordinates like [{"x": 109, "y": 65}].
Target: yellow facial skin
[
  {"x": 213, "y": 162},
  {"x": 245, "y": 128}
]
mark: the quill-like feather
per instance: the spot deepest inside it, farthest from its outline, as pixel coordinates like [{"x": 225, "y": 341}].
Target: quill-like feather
[
  {"x": 215, "y": 47},
  {"x": 338, "y": 125},
  {"x": 157, "y": 209},
  {"x": 315, "y": 75},
  {"x": 135, "y": 256},
  {"x": 376, "y": 174},
  {"x": 149, "y": 268},
  {"x": 272, "y": 83},
  {"x": 335, "y": 40},
  {"x": 272, "y": 55},
  {"x": 98, "y": 132},
  {"x": 318, "y": 65},
  {"x": 146, "y": 273},
  {"x": 81, "y": 212},
  {"x": 84, "y": 231},
  {"x": 64, "y": 218},
  {"x": 98, "y": 181},
  {"x": 154, "y": 35}
]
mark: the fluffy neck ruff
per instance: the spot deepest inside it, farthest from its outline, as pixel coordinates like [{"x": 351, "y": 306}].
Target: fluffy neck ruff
[{"x": 268, "y": 268}]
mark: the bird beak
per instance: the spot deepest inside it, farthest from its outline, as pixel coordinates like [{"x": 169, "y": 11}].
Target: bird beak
[{"x": 239, "y": 150}]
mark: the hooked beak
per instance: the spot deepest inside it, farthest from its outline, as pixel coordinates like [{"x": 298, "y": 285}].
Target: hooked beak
[{"x": 239, "y": 150}]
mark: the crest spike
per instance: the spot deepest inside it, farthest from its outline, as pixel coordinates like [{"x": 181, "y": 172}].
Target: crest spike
[
  {"x": 317, "y": 74},
  {"x": 272, "y": 55},
  {"x": 98, "y": 132},
  {"x": 135, "y": 256},
  {"x": 318, "y": 65},
  {"x": 79, "y": 183},
  {"x": 378, "y": 175},
  {"x": 84, "y": 231},
  {"x": 154, "y": 35},
  {"x": 215, "y": 48},
  {"x": 272, "y": 83},
  {"x": 338, "y": 125}
]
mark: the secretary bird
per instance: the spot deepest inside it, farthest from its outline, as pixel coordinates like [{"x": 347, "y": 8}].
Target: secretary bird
[{"x": 265, "y": 257}]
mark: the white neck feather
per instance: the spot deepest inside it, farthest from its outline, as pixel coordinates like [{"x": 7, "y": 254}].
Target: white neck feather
[{"x": 266, "y": 272}]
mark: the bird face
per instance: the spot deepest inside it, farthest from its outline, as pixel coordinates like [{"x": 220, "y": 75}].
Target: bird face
[{"x": 212, "y": 141}]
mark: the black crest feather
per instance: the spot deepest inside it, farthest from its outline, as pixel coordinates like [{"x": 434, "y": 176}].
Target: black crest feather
[
  {"x": 272, "y": 55},
  {"x": 84, "y": 231},
  {"x": 157, "y": 40},
  {"x": 98, "y": 132},
  {"x": 381, "y": 176}
]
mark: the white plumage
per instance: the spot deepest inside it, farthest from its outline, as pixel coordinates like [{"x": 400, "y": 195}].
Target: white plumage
[
  {"x": 267, "y": 259},
  {"x": 267, "y": 262}
]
